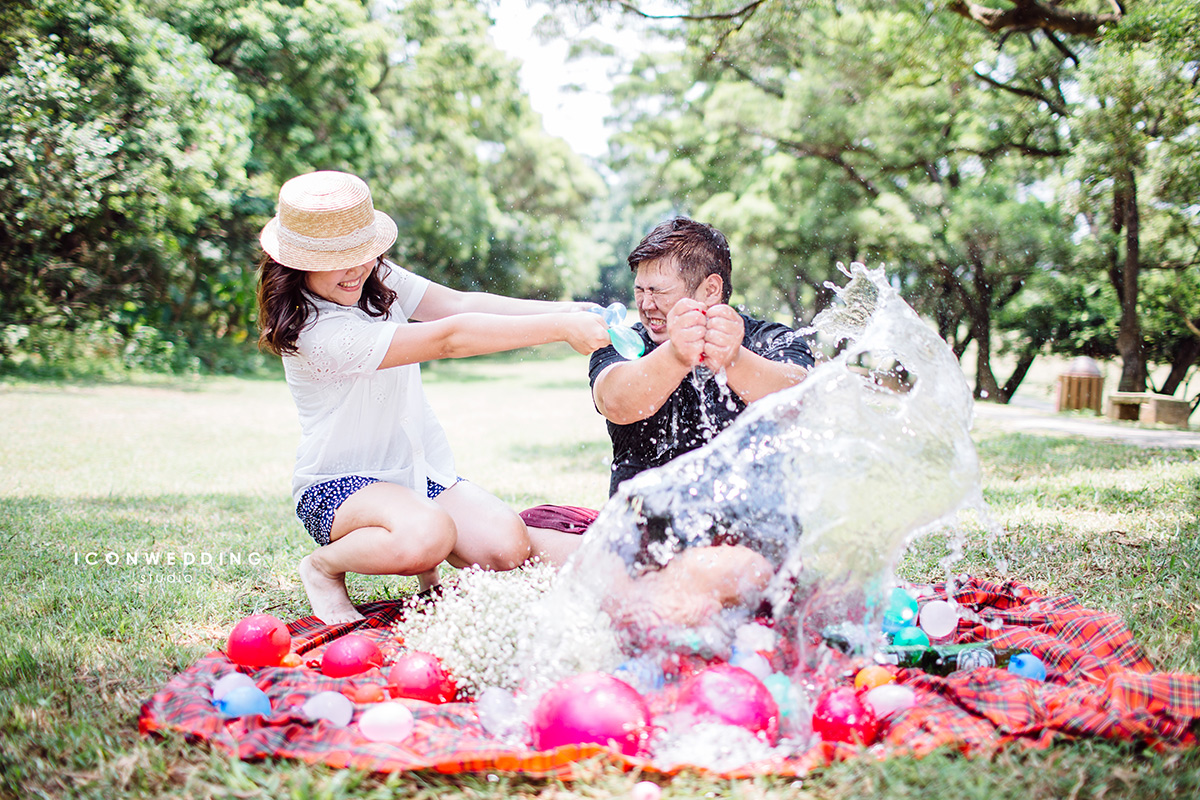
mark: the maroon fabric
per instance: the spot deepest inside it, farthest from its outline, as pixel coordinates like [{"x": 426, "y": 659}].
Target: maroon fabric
[
  {"x": 568, "y": 519},
  {"x": 1100, "y": 684}
]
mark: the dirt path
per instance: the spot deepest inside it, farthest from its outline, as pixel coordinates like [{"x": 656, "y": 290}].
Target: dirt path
[{"x": 1035, "y": 419}]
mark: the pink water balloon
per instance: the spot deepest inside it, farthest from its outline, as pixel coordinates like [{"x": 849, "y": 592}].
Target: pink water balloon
[
  {"x": 259, "y": 640},
  {"x": 840, "y": 716},
  {"x": 333, "y": 707},
  {"x": 421, "y": 676},
  {"x": 646, "y": 790},
  {"x": 350, "y": 655},
  {"x": 938, "y": 618},
  {"x": 732, "y": 696},
  {"x": 592, "y": 707},
  {"x": 889, "y": 699},
  {"x": 386, "y": 722}
]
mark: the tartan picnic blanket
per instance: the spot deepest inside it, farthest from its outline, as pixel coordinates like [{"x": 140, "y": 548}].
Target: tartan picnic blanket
[{"x": 1100, "y": 684}]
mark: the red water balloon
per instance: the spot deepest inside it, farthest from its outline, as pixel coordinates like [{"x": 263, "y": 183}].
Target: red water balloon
[
  {"x": 350, "y": 655},
  {"x": 259, "y": 640},
  {"x": 841, "y": 716},
  {"x": 733, "y": 696},
  {"x": 592, "y": 707},
  {"x": 421, "y": 676}
]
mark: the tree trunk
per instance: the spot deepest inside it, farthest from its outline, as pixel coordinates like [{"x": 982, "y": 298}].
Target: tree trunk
[
  {"x": 1182, "y": 360},
  {"x": 980, "y": 309},
  {"x": 1129, "y": 336}
]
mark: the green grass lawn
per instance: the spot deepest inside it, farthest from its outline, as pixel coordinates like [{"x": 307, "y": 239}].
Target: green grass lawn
[{"x": 96, "y": 480}]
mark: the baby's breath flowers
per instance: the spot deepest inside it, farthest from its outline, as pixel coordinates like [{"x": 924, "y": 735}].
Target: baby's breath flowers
[{"x": 505, "y": 629}]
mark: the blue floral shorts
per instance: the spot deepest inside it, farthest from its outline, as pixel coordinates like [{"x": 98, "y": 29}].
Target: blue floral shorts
[{"x": 321, "y": 501}]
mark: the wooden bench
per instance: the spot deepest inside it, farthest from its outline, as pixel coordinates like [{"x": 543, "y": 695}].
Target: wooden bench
[{"x": 1150, "y": 408}]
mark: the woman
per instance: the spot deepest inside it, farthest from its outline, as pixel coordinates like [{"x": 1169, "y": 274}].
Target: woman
[{"x": 375, "y": 483}]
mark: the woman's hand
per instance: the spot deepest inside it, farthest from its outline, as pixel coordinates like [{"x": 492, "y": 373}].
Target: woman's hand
[{"x": 586, "y": 332}]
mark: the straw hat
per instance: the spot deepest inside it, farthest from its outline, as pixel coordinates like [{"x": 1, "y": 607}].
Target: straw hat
[{"x": 326, "y": 221}]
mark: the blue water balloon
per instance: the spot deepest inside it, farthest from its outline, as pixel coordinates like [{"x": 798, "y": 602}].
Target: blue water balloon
[
  {"x": 244, "y": 701},
  {"x": 614, "y": 314},
  {"x": 1027, "y": 665},
  {"x": 641, "y": 673},
  {"x": 901, "y": 611}
]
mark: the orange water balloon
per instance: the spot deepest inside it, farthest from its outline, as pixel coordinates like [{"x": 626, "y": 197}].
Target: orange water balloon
[{"x": 872, "y": 676}]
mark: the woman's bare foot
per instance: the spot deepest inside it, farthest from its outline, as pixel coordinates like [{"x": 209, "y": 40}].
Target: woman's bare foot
[
  {"x": 327, "y": 594},
  {"x": 428, "y": 580}
]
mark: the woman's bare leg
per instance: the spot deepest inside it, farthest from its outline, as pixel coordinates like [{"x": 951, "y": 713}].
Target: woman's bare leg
[
  {"x": 382, "y": 529},
  {"x": 490, "y": 534},
  {"x": 553, "y": 547}
]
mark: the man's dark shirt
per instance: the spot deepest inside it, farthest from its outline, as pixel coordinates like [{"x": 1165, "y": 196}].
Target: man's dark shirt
[{"x": 683, "y": 424}]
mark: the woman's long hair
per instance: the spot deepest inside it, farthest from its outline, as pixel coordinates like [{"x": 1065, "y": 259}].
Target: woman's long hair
[{"x": 285, "y": 304}]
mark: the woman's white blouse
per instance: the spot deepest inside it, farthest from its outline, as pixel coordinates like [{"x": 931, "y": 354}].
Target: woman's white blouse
[{"x": 356, "y": 419}]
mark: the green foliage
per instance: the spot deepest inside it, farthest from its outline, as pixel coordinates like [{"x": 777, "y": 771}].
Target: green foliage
[
  {"x": 142, "y": 146},
  {"x": 121, "y": 150},
  {"x": 484, "y": 198}
]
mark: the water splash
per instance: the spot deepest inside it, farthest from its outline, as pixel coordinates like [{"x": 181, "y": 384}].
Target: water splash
[
  {"x": 799, "y": 510},
  {"x": 826, "y": 482}
]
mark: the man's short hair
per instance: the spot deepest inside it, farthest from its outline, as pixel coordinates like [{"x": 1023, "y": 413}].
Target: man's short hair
[{"x": 698, "y": 250}]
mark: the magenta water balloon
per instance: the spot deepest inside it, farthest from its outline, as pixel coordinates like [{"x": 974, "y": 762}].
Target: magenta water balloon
[
  {"x": 730, "y": 695},
  {"x": 591, "y": 707}
]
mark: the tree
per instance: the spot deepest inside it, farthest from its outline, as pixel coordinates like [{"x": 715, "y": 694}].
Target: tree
[
  {"x": 121, "y": 150},
  {"x": 1135, "y": 165},
  {"x": 483, "y": 196},
  {"x": 815, "y": 136}
]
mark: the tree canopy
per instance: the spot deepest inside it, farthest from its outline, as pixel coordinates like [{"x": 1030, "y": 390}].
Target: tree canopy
[
  {"x": 142, "y": 144},
  {"x": 997, "y": 158}
]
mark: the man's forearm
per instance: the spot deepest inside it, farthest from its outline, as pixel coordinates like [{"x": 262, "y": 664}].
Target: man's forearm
[{"x": 753, "y": 377}]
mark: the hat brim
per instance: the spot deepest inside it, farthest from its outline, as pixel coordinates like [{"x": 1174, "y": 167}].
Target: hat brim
[{"x": 326, "y": 261}]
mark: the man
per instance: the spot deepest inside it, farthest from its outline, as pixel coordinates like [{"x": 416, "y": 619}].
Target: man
[{"x": 704, "y": 361}]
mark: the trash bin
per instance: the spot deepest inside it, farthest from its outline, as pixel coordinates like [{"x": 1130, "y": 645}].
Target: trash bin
[{"x": 1080, "y": 386}]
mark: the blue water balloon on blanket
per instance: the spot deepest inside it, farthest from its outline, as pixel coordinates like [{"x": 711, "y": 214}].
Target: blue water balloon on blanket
[
  {"x": 228, "y": 683},
  {"x": 244, "y": 701},
  {"x": 1027, "y": 665}
]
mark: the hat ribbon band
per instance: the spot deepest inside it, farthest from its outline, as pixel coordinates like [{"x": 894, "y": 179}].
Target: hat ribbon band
[{"x": 329, "y": 244}]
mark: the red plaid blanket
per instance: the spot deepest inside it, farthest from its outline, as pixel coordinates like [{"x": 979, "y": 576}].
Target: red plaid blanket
[{"x": 1100, "y": 684}]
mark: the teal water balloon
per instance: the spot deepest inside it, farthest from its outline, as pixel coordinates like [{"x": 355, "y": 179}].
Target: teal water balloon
[
  {"x": 910, "y": 637},
  {"x": 627, "y": 342},
  {"x": 786, "y": 695}
]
